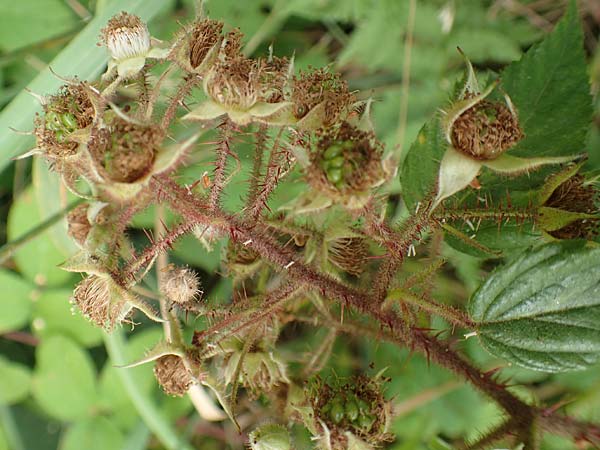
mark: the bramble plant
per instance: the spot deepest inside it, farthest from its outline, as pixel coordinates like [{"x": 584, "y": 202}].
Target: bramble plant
[{"x": 498, "y": 173}]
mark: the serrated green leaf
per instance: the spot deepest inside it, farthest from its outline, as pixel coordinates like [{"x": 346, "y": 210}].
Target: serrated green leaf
[
  {"x": 421, "y": 165},
  {"x": 508, "y": 239},
  {"x": 64, "y": 382},
  {"x": 16, "y": 381},
  {"x": 16, "y": 301},
  {"x": 53, "y": 313},
  {"x": 98, "y": 433},
  {"x": 542, "y": 310},
  {"x": 550, "y": 89}
]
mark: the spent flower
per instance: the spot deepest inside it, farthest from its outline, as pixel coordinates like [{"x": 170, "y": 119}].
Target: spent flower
[
  {"x": 478, "y": 133},
  {"x": 129, "y": 43}
]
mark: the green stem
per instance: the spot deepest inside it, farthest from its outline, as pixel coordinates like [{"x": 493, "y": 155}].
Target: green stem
[
  {"x": 453, "y": 315},
  {"x": 9, "y": 249},
  {"x": 11, "y": 431},
  {"x": 148, "y": 411}
]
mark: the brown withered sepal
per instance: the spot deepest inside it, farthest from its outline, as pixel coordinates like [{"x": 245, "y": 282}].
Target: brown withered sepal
[
  {"x": 204, "y": 35},
  {"x": 78, "y": 223}
]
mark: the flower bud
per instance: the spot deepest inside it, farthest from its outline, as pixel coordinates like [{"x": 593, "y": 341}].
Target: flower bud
[
  {"x": 270, "y": 437},
  {"x": 172, "y": 375},
  {"x": 126, "y": 36}
]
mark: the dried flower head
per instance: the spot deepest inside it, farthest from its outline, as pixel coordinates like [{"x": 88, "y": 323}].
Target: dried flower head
[
  {"x": 98, "y": 299},
  {"x": 172, "y": 375},
  {"x": 246, "y": 90},
  {"x": 486, "y": 130},
  {"x": 180, "y": 285},
  {"x": 126, "y": 36},
  {"x": 479, "y": 133},
  {"x": 232, "y": 45},
  {"x": 125, "y": 152},
  {"x": 204, "y": 36},
  {"x": 320, "y": 98},
  {"x": 235, "y": 82},
  {"x": 197, "y": 46}
]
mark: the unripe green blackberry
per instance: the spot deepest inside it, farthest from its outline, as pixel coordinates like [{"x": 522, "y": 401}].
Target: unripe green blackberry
[
  {"x": 70, "y": 110},
  {"x": 346, "y": 164},
  {"x": 352, "y": 411}
]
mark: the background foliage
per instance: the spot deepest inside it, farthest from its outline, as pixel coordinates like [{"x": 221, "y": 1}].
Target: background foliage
[{"x": 59, "y": 389}]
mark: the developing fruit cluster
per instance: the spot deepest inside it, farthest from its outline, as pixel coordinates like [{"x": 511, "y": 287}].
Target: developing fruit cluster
[{"x": 114, "y": 145}]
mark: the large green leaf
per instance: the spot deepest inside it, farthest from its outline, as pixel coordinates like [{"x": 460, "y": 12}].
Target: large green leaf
[
  {"x": 98, "y": 433},
  {"x": 422, "y": 162},
  {"x": 39, "y": 258},
  {"x": 15, "y": 302},
  {"x": 41, "y": 19},
  {"x": 64, "y": 382},
  {"x": 16, "y": 380},
  {"x": 53, "y": 313},
  {"x": 550, "y": 88},
  {"x": 542, "y": 310}
]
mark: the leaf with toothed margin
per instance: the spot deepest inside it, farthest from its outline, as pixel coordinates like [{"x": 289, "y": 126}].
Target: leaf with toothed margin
[
  {"x": 550, "y": 89},
  {"x": 542, "y": 310}
]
